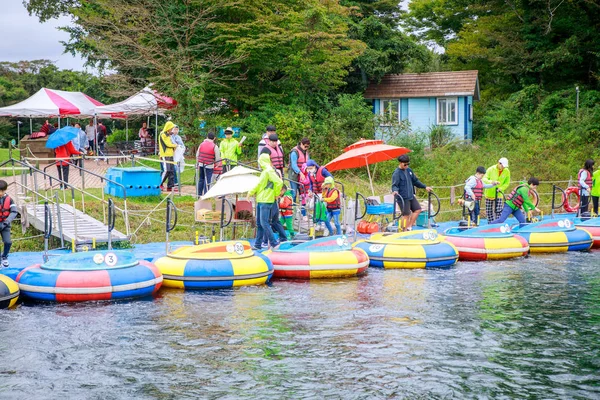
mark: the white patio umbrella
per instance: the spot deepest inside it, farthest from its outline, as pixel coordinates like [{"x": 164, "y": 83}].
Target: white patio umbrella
[{"x": 238, "y": 180}]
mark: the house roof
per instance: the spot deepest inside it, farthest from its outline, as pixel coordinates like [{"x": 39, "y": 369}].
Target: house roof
[{"x": 431, "y": 84}]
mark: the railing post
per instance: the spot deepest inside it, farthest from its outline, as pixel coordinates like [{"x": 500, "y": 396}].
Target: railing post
[
  {"x": 59, "y": 220},
  {"x": 171, "y": 209},
  {"x": 111, "y": 221},
  {"x": 47, "y": 229}
]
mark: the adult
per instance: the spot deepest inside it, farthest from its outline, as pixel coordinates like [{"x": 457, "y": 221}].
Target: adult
[
  {"x": 90, "y": 132},
  {"x": 63, "y": 155},
  {"x": 144, "y": 135},
  {"x": 517, "y": 199},
  {"x": 166, "y": 150},
  {"x": 298, "y": 159},
  {"x": 265, "y": 138},
  {"x": 494, "y": 199},
  {"x": 316, "y": 176},
  {"x": 404, "y": 181},
  {"x": 80, "y": 143},
  {"x": 268, "y": 187},
  {"x": 596, "y": 190},
  {"x": 178, "y": 153},
  {"x": 584, "y": 183},
  {"x": 101, "y": 141},
  {"x": 230, "y": 149},
  {"x": 275, "y": 151},
  {"x": 207, "y": 156}
]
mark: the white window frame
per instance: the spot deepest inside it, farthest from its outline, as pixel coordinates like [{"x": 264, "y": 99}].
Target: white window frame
[
  {"x": 382, "y": 108},
  {"x": 448, "y": 100}
]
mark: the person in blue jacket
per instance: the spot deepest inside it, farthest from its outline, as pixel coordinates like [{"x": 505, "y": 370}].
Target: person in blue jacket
[{"x": 404, "y": 181}]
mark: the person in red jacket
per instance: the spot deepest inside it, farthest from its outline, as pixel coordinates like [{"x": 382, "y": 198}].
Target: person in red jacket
[{"x": 63, "y": 154}]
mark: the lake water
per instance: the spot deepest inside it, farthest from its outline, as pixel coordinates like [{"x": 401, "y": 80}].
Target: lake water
[{"x": 526, "y": 328}]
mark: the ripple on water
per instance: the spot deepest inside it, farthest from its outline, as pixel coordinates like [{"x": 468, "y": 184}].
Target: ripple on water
[{"x": 509, "y": 329}]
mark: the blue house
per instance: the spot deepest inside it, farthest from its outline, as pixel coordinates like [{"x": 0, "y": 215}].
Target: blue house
[{"x": 429, "y": 99}]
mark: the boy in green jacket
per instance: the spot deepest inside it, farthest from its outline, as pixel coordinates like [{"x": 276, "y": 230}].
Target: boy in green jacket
[
  {"x": 518, "y": 198},
  {"x": 493, "y": 196},
  {"x": 230, "y": 150},
  {"x": 268, "y": 188}
]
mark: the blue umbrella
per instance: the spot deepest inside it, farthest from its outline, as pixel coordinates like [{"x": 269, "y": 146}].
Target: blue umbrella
[{"x": 62, "y": 136}]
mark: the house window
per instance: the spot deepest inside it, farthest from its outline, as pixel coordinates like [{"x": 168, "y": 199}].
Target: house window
[
  {"x": 390, "y": 110},
  {"x": 447, "y": 111}
]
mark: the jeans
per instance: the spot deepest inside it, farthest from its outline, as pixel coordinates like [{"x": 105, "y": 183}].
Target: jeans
[
  {"x": 276, "y": 224},
  {"x": 335, "y": 214},
  {"x": 5, "y": 232},
  {"x": 294, "y": 189},
  {"x": 475, "y": 213},
  {"x": 585, "y": 203},
  {"x": 263, "y": 225},
  {"x": 595, "y": 203},
  {"x": 506, "y": 212},
  {"x": 204, "y": 179}
]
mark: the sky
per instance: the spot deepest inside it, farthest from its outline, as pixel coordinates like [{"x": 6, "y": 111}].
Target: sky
[{"x": 25, "y": 38}]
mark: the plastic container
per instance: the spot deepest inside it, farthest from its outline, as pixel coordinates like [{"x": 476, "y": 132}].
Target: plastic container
[
  {"x": 138, "y": 181},
  {"x": 423, "y": 219}
]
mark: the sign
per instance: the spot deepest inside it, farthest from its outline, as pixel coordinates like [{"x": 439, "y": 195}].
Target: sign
[
  {"x": 111, "y": 259},
  {"x": 98, "y": 258}
]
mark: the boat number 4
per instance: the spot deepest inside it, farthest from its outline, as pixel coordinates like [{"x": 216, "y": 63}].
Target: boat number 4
[{"x": 110, "y": 259}]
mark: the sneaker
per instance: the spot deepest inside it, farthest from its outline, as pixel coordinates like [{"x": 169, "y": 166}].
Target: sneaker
[
  {"x": 275, "y": 244},
  {"x": 175, "y": 189},
  {"x": 264, "y": 245},
  {"x": 256, "y": 248},
  {"x": 4, "y": 262}
]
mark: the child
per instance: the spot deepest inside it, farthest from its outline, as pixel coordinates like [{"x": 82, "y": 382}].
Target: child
[
  {"x": 474, "y": 192},
  {"x": 331, "y": 196},
  {"x": 286, "y": 210},
  {"x": 303, "y": 189},
  {"x": 8, "y": 212},
  {"x": 518, "y": 198}
]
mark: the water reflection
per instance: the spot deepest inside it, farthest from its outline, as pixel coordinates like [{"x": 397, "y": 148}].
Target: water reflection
[{"x": 513, "y": 329}]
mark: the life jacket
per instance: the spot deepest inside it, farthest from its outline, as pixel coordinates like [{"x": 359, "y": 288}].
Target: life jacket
[
  {"x": 478, "y": 189},
  {"x": 206, "y": 152},
  {"x": 515, "y": 197},
  {"x": 5, "y": 208},
  {"x": 286, "y": 207},
  {"x": 588, "y": 180},
  {"x": 302, "y": 156},
  {"x": 276, "y": 156},
  {"x": 335, "y": 204},
  {"x": 317, "y": 180}
]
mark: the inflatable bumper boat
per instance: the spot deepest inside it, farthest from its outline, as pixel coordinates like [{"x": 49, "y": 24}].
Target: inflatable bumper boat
[
  {"x": 555, "y": 236},
  {"x": 216, "y": 265},
  {"x": 9, "y": 292},
  {"x": 329, "y": 257},
  {"x": 413, "y": 249},
  {"x": 592, "y": 225},
  {"x": 95, "y": 275},
  {"x": 488, "y": 242}
]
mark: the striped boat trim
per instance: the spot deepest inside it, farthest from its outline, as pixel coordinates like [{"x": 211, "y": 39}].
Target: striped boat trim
[
  {"x": 217, "y": 278},
  {"x": 492, "y": 251},
  {"x": 565, "y": 244},
  {"x": 323, "y": 267},
  {"x": 10, "y": 296},
  {"x": 90, "y": 290},
  {"x": 392, "y": 259}
]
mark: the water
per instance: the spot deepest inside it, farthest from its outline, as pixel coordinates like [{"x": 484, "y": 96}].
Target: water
[{"x": 526, "y": 328}]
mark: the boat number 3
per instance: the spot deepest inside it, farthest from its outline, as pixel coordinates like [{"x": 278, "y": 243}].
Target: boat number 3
[
  {"x": 374, "y": 248},
  {"x": 110, "y": 259}
]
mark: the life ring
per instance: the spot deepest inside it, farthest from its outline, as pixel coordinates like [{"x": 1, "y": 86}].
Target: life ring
[{"x": 568, "y": 192}]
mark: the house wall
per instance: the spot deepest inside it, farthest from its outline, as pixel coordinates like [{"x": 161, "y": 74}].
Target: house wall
[{"x": 422, "y": 114}]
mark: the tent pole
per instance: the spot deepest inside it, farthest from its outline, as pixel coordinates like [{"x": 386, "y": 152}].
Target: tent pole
[
  {"x": 370, "y": 180},
  {"x": 126, "y": 130},
  {"x": 156, "y": 132},
  {"x": 59, "y": 122},
  {"x": 30, "y": 126},
  {"x": 96, "y": 135}
]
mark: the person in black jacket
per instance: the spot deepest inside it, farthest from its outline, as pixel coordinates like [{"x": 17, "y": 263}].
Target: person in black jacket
[{"x": 403, "y": 182}]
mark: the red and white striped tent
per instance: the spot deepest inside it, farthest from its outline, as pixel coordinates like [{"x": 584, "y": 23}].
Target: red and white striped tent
[{"x": 48, "y": 103}]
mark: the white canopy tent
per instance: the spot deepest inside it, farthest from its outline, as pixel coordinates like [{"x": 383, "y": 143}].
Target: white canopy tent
[
  {"x": 46, "y": 103},
  {"x": 146, "y": 102}
]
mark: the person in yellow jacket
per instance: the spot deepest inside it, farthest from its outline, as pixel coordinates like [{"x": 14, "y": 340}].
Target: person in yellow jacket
[
  {"x": 166, "y": 150},
  {"x": 266, "y": 190},
  {"x": 494, "y": 199},
  {"x": 331, "y": 196},
  {"x": 230, "y": 150},
  {"x": 595, "y": 190}
]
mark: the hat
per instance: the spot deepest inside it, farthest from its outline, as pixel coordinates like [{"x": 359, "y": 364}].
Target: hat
[
  {"x": 229, "y": 130},
  {"x": 312, "y": 163},
  {"x": 270, "y": 128},
  {"x": 504, "y": 162},
  {"x": 273, "y": 137},
  {"x": 328, "y": 181}
]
